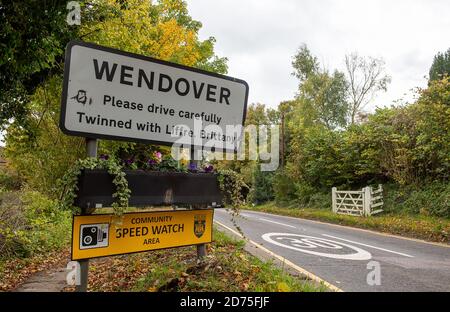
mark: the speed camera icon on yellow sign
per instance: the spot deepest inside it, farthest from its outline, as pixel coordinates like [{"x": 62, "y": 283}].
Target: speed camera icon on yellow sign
[{"x": 94, "y": 235}]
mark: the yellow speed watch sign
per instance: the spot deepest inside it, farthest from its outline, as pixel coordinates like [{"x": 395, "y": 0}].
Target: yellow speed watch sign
[{"x": 106, "y": 234}]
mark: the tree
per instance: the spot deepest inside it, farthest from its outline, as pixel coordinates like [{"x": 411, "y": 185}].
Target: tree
[
  {"x": 304, "y": 63},
  {"x": 324, "y": 93},
  {"x": 327, "y": 93},
  {"x": 33, "y": 35},
  {"x": 440, "y": 66},
  {"x": 366, "y": 77},
  {"x": 261, "y": 190}
]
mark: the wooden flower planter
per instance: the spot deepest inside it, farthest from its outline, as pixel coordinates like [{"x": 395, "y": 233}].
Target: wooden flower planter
[{"x": 149, "y": 188}]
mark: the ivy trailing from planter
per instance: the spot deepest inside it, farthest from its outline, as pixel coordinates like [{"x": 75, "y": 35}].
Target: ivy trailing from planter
[
  {"x": 70, "y": 180},
  {"x": 231, "y": 184}
]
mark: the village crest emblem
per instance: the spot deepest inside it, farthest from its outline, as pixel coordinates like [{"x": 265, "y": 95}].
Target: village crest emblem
[{"x": 199, "y": 225}]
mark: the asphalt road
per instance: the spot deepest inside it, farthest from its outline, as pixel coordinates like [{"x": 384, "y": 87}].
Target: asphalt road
[{"x": 346, "y": 257}]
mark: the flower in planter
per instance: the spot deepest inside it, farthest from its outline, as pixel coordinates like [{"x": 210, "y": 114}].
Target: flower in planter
[
  {"x": 192, "y": 167},
  {"x": 130, "y": 163},
  {"x": 151, "y": 164},
  {"x": 208, "y": 169},
  {"x": 104, "y": 157},
  {"x": 158, "y": 156}
]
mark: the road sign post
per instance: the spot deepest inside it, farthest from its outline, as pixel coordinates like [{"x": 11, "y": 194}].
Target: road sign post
[
  {"x": 91, "y": 151},
  {"x": 201, "y": 249}
]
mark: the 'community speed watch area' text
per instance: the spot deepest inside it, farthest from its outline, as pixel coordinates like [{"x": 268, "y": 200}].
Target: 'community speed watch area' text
[{"x": 106, "y": 234}]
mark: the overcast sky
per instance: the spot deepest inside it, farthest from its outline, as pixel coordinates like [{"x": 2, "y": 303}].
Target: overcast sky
[{"x": 259, "y": 37}]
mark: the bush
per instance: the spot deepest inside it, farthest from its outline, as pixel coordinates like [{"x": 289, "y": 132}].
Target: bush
[
  {"x": 31, "y": 223},
  {"x": 431, "y": 199},
  {"x": 9, "y": 180},
  {"x": 320, "y": 200},
  {"x": 261, "y": 190},
  {"x": 303, "y": 192},
  {"x": 283, "y": 187}
]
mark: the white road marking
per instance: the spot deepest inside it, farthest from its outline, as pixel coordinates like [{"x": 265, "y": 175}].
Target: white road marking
[
  {"x": 307, "y": 244},
  {"x": 370, "y": 246},
  {"x": 245, "y": 215},
  {"x": 284, "y": 224},
  {"x": 284, "y": 260}
]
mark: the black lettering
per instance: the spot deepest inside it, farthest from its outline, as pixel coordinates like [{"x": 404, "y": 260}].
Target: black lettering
[
  {"x": 124, "y": 75},
  {"x": 177, "y": 87},
  {"x": 168, "y": 79},
  {"x": 105, "y": 67},
  {"x": 106, "y": 99},
  {"x": 198, "y": 92},
  {"x": 211, "y": 92},
  {"x": 156, "y": 230},
  {"x": 224, "y": 95},
  {"x": 81, "y": 116},
  {"x": 90, "y": 119},
  {"x": 141, "y": 74}
]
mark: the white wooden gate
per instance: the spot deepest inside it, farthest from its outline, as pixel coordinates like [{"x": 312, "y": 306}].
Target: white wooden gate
[{"x": 358, "y": 203}]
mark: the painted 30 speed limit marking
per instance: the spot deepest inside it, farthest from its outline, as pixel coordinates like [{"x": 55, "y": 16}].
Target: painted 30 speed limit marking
[{"x": 317, "y": 246}]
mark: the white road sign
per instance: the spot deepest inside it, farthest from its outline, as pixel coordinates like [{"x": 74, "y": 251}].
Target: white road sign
[{"x": 117, "y": 95}]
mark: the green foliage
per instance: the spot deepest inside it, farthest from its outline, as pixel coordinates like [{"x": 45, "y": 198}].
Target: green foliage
[
  {"x": 232, "y": 186},
  {"x": 257, "y": 115},
  {"x": 321, "y": 94},
  {"x": 31, "y": 223},
  {"x": 411, "y": 143},
  {"x": 261, "y": 190},
  {"x": 70, "y": 179},
  {"x": 432, "y": 199},
  {"x": 304, "y": 63},
  {"x": 303, "y": 193},
  {"x": 40, "y": 153},
  {"x": 283, "y": 187},
  {"x": 9, "y": 180},
  {"x": 33, "y": 36},
  {"x": 441, "y": 66},
  {"x": 168, "y": 164},
  {"x": 326, "y": 94}
]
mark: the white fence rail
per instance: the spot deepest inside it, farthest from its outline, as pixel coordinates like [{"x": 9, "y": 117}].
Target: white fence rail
[{"x": 366, "y": 202}]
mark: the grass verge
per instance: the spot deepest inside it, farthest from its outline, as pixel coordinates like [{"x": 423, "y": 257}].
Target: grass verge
[
  {"x": 227, "y": 267},
  {"x": 414, "y": 226}
]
